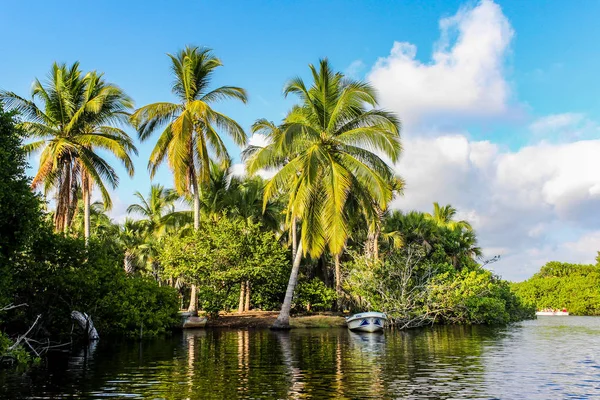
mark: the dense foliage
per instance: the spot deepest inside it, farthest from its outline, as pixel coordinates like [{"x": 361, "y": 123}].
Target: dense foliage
[
  {"x": 428, "y": 274},
  {"x": 222, "y": 254},
  {"x": 47, "y": 275},
  {"x": 558, "y": 285}
]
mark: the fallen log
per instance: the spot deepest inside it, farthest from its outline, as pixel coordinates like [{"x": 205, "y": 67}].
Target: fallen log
[{"x": 85, "y": 322}]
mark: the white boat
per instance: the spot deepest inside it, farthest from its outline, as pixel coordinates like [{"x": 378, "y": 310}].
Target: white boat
[
  {"x": 552, "y": 313},
  {"x": 366, "y": 322}
]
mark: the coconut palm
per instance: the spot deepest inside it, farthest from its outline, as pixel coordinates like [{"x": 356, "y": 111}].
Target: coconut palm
[
  {"x": 158, "y": 210},
  {"x": 190, "y": 126},
  {"x": 131, "y": 238},
  {"x": 444, "y": 216},
  {"x": 326, "y": 149},
  {"x": 237, "y": 197},
  {"x": 100, "y": 224},
  {"x": 77, "y": 116}
]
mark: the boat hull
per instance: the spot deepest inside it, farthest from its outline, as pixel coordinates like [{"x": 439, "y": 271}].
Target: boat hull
[
  {"x": 367, "y": 322},
  {"x": 552, "y": 313}
]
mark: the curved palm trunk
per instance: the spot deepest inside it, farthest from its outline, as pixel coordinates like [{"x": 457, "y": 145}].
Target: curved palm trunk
[
  {"x": 283, "y": 320},
  {"x": 294, "y": 242}
]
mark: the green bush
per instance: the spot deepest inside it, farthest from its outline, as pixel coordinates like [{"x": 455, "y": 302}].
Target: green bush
[
  {"x": 415, "y": 290},
  {"x": 313, "y": 295},
  {"x": 57, "y": 274}
]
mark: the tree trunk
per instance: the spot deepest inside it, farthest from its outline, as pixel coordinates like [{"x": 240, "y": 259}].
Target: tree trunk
[
  {"x": 338, "y": 281},
  {"x": 128, "y": 263},
  {"x": 283, "y": 320},
  {"x": 193, "y": 308},
  {"x": 86, "y": 211},
  {"x": 338, "y": 278},
  {"x": 294, "y": 242},
  {"x": 376, "y": 243},
  {"x": 242, "y": 297},
  {"x": 247, "y": 305},
  {"x": 85, "y": 322},
  {"x": 196, "y": 205}
]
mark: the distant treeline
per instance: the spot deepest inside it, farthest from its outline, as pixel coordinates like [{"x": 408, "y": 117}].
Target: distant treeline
[{"x": 558, "y": 285}]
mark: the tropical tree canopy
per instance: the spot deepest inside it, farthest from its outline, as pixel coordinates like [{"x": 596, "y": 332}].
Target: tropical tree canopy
[
  {"x": 158, "y": 210},
  {"x": 444, "y": 216},
  {"x": 327, "y": 148},
  {"x": 190, "y": 137},
  {"x": 77, "y": 115}
]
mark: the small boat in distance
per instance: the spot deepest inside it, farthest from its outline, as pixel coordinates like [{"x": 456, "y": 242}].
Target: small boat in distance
[
  {"x": 552, "y": 312},
  {"x": 366, "y": 322}
]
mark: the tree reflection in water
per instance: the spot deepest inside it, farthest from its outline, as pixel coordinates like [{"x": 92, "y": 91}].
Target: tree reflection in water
[{"x": 439, "y": 362}]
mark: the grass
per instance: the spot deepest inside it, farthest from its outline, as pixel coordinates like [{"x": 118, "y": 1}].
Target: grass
[{"x": 318, "y": 321}]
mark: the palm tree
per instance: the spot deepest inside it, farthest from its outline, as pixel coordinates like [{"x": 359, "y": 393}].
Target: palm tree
[
  {"x": 76, "y": 118},
  {"x": 158, "y": 210},
  {"x": 326, "y": 150},
  {"x": 159, "y": 218},
  {"x": 190, "y": 134},
  {"x": 99, "y": 225},
  {"x": 131, "y": 238},
  {"x": 444, "y": 216}
]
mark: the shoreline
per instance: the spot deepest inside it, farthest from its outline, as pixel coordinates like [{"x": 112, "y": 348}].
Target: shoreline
[{"x": 265, "y": 319}]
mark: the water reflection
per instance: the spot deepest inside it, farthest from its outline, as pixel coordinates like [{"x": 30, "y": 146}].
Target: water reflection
[{"x": 537, "y": 359}]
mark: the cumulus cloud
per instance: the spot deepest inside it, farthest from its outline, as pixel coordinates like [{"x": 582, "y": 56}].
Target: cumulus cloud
[
  {"x": 529, "y": 205},
  {"x": 465, "y": 75},
  {"x": 519, "y": 201}
]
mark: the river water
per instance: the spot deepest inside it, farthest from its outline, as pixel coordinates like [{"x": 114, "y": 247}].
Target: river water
[{"x": 548, "y": 358}]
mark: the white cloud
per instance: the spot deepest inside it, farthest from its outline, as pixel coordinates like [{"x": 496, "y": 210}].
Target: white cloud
[
  {"x": 355, "y": 69},
  {"x": 521, "y": 201},
  {"x": 564, "y": 127},
  {"x": 555, "y": 122},
  {"x": 464, "y": 76},
  {"x": 239, "y": 169},
  {"x": 530, "y": 205}
]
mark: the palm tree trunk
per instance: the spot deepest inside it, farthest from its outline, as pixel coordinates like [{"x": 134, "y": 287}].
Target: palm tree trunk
[
  {"x": 196, "y": 203},
  {"x": 193, "y": 308},
  {"x": 338, "y": 281},
  {"x": 247, "y": 305},
  {"x": 283, "y": 320},
  {"x": 376, "y": 243},
  {"x": 242, "y": 297},
  {"x": 127, "y": 263},
  {"x": 86, "y": 213},
  {"x": 294, "y": 242}
]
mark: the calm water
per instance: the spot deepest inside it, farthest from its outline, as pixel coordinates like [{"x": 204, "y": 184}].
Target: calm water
[{"x": 550, "y": 358}]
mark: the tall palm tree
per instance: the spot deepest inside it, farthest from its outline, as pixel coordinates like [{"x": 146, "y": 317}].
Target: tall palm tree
[
  {"x": 190, "y": 126},
  {"x": 77, "y": 116},
  {"x": 444, "y": 216},
  {"x": 326, "y": 149}
]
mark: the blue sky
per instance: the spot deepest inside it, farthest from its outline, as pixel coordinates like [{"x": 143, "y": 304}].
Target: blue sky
[{"x": 542, "y": 71}]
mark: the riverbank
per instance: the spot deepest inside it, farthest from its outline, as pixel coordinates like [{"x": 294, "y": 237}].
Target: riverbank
[{"x": 264, "y": 319}]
